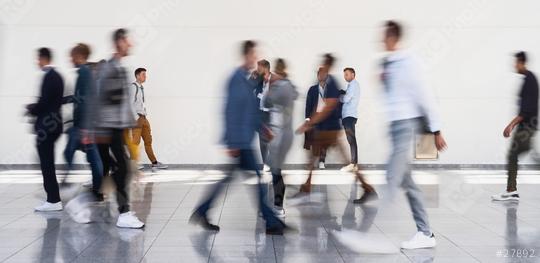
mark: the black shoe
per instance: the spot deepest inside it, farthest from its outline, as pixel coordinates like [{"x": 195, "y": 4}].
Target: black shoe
[
  {"x": 275, "y": 231},
  {"x": 366, "y": 197},
  {"x": 198, "y": 219},
  {"x": 98, "y": 197}
]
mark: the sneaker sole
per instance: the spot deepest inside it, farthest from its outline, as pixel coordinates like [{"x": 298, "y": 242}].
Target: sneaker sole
[{"x": 129, "y": 227}]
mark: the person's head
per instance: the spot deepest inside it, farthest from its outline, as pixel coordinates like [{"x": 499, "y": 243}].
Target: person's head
[
  {"x": 349, "y": 74},
  {"x": 249, "y": 53},
  {"x": 79, "y": 54},
  {"x": 263, "y": 67},
  {"x": 328, "y": 61},
  {"x": 140, "y": 75},
  {"x": 280, "y": 67},
  {"x": 322, "y": 74},
  {"x": 44, "y": 57},
  {"x": 121, "y": 42},
  {"x": 521, "y": 61},
  {"x": 392, "y": 35}
]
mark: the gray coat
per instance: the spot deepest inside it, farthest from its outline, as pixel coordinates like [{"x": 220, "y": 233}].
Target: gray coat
[{"x": 280, "y": 100}]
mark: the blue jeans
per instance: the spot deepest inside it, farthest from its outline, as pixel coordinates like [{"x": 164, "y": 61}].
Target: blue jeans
[
  {"x": 399, "y": 170},
  {"x": 92, "y": 155},
  {"x": 246, "y": 161}
]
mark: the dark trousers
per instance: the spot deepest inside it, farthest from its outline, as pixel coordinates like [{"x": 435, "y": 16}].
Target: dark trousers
[
  {"x": 279, "y": 187},
  {"x": 349, "y": 124},
  {"x": 263, "y": 141},
  {"x": 521, "y": 143},
  {"x": 115, "y": 145},
  {"x": 246, "y": 161},
  {"x": 92, "y": 155},
  {"x": 45, "y": 148}
]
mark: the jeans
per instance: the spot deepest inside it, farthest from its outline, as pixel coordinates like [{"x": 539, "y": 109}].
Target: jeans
[
  {"x": 246, "y": 161},
  {"x": 349, "y": 124},
  {"x": 521, "y": 143},
  {"x": 398, "y": 173},
  {"x": 92, "y": 156}
]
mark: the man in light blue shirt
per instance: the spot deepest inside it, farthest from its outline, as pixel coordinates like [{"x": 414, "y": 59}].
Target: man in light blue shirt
[{"x": 349, "y": 115}]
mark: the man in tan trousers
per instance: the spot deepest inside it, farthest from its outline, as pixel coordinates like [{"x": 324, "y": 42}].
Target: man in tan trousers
[{"x": 143, "y": 125}]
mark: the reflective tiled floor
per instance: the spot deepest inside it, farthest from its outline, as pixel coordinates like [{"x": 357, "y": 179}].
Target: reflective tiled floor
[{"x": 468, "y": 226}]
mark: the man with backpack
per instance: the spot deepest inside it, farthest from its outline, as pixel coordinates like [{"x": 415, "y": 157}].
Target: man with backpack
[{"x": 143, "y": 128}]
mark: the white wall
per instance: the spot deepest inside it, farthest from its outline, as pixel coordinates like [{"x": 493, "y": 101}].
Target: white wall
[{"x": 189, "y": 47}]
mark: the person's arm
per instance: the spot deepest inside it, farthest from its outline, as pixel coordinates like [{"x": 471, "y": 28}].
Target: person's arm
[
  {"x": 350, "y": 93},
  {"x": 330, "y": 103},
  {"x": 426, "y": 103},
  {"x": 234, "y": 115},
  {"x": 510, "y": 127}
]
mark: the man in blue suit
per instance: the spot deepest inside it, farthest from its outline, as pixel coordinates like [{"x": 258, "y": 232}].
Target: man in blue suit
[{"x": 242, "y": 120}]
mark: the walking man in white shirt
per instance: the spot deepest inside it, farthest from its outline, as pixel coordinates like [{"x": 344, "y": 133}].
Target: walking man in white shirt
[
  {"x": 142, "y": 128},
  {"x": 349, "y": 115}
]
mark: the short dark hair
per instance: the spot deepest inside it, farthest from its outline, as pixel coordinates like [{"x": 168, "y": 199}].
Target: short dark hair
[
  {"x": 119, "y": 34},
  {"x": 393, "y": 29},
  {"x": 45, "y": 53},
  {"x": 247, "y": 46},
  {"x": 521, "y": 56},
  {"x": 139, "y": 71},
  {"x": 81, "y": 49},
  {"x": 264, "y": 63},
  {"x": 328, "y": 60},
  {"x": 349, "y": 69}
]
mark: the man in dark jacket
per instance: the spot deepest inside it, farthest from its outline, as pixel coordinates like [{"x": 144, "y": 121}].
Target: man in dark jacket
[
  {"x": 526, "y": 122},
  {"x": 242, "y": 120},
  {"x": 323, "y": 121},
  {"x": 48, "y": 127}
]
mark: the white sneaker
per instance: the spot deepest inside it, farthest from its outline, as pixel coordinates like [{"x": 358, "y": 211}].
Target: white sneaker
[
  {"x": 266, "y": 168},
  {"x": 78, "y": 211},
  {"x": 129, "y": 220},
  {"x": 140, "y": 167},
  {"x": 159, "y": 165},
  {"x": 321, "y": 165},
  {"x": 350, "y": 168},
  {"x": 420, "y": 240},
  {"x": 48, "y": 207},
  {"x": 279, "y": 211},
  {"x": 506, "y": 196}
]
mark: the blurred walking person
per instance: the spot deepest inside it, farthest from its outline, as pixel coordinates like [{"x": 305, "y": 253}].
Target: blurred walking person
[
  {"x": 115, "y": 116},
  {"x": 410, "y": 109},
  {"x": 263, "y": 76},
  {"x": 326, "y": 128},
  {"x": 241, "y": 123},
  {"x": 143, "y": 129},
  {"x": 80, "y": 136},
  {"x": 526, "y": 122},
  {"x": 279, "y": 99},
  {"x": 48, "y": 127}
]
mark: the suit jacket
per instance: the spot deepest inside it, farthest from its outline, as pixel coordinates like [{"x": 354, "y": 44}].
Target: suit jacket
[
  {"x": 47, "y": 108},
  {"x": 241, "y": 111}
]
